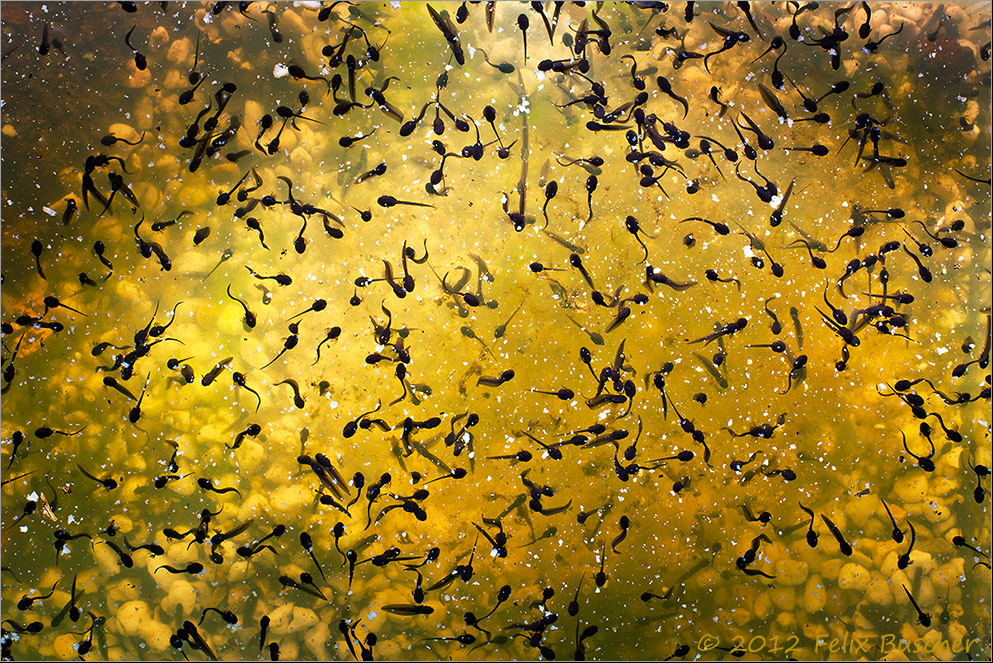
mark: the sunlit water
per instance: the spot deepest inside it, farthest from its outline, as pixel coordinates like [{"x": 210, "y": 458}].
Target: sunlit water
[{"x": 827, "y": 434}]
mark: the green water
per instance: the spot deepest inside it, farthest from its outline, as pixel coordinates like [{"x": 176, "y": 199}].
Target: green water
[{"x": 828, "y": 434}]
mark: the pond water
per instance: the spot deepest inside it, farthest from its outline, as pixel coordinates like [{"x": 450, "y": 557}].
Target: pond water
[{"x": 496, "y": 330}]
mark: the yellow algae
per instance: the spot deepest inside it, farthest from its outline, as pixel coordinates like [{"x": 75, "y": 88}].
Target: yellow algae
[
  {"x": 791, "y": 572},
  {"x": 132, "y": 616},
  {"x": 317, "y": 639},
  {"x": 65, "y": 647},
  {"x": 281, "y": 619},
  {"x": 107, "y": 559},
  {"x": 126, "y": 590},
  {"x": 853, "y": 576},
  {"x": 784, "y": 598},
  {"x": 156, "y": 635},
  {"x": 182, "y": 594},
  {"x": 879, "y": 590},
  {"x": 814, "y": 594}
]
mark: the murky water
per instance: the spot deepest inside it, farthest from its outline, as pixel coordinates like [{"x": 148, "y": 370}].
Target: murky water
[{"x": 722, "y": 336}]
